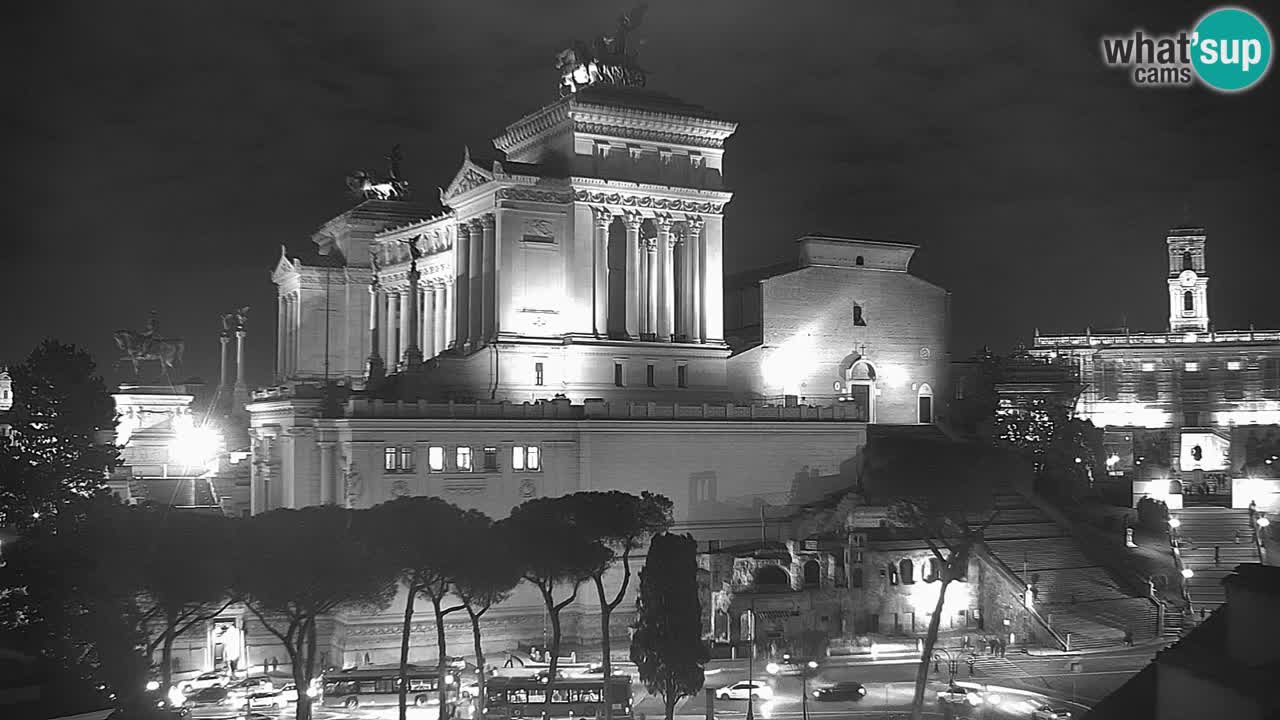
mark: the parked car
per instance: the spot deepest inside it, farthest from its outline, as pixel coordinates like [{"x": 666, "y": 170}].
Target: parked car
[
  {"x": 217, "y": 678},
  {"x": 240, "y": 691},
  {"x": 745, "y": 690},
  {"x": 274, "y": 699},
  {"x": 848, "y": 690},
  {"x": 212, "y": 702},
  {"x": 1049, "y": 712},
  {"x": 959, "y": 696}
]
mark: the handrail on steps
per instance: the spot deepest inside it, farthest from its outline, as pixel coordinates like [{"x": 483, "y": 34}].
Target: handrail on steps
[{"x": 1012, "y": 576}]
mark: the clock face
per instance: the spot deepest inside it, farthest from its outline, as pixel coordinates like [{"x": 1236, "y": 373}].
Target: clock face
[{"x": 1187, "y": 278}]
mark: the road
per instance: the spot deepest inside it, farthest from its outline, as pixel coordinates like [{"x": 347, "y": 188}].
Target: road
[{"x": 1021, "y": 681}]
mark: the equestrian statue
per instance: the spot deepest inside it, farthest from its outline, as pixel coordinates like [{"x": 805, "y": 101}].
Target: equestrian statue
[{"x": 147, "y": 345}]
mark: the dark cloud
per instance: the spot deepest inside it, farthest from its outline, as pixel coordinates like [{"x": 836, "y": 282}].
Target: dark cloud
[{"x": 162, "y": 152}]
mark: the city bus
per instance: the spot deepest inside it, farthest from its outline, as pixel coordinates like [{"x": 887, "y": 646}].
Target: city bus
[
  {"x": 575, "y": 698},
  {"x": 369, "y": 687}
]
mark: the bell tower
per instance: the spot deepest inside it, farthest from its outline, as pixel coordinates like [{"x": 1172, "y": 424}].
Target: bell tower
[{"x": 1188, "y": 281}]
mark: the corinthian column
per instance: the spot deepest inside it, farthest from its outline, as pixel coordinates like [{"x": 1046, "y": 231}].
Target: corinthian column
[
  {"x": 488, "y": 273},
  {"x": 448, "y": 319},
  {"x": 395, "y": 326},
  {"x": 282, "y": 341},
  {"x": 694, "y": 241},
  {"x": 412, "y": 352},
  {"x": 635, "y": 294},
  {"x": 600, "y": 251},
  {"x": 666, "y": 281},
  {"x": 376, "y": 369},
  {"x": 241, "y": 393},
  {"x": 462, "y": 286},
  {"x": 651, "y": 294},
  {"x": 475, "y": 286},
  {"x": 429, "y": 347}
]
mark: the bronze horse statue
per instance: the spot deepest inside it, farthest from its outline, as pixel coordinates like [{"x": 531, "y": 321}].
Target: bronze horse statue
[{"x": 138, "y": 348}]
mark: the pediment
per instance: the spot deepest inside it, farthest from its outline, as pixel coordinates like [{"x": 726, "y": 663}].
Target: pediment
[
  {"x": 284, "y": 268},
  {"x": 469, "y": 177}
]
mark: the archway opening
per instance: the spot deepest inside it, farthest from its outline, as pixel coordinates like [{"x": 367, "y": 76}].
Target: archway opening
[
  {"x": 812, "y": 574},
  {"x": 772, "y": 575}
]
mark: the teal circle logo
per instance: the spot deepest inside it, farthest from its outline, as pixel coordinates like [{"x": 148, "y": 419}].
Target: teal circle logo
[{"x": 1231, "y": 49}]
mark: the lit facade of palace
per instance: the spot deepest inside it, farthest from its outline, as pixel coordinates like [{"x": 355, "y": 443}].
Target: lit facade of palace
[
  {"x": 563, "y": 328},
  {"x": 1190, "y": 410}
]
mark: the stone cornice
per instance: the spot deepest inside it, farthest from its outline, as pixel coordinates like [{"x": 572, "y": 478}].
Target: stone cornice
[
  {"x": 527, "y": 194},
  {"x": 643, "y": 202},
  {"x": 532, "y": 126},
  {"x": 579, "y": 182}
]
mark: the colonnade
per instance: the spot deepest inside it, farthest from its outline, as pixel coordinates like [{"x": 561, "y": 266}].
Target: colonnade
[
  {"x": 432, "y": 311},
  {"x": 661, "y": 303}
]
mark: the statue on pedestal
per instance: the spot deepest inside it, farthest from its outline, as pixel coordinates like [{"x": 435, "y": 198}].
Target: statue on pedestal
[{"x": 147, "y": 345}]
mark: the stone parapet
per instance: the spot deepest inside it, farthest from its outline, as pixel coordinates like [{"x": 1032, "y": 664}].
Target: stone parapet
[{"x": 594, "y": 410}]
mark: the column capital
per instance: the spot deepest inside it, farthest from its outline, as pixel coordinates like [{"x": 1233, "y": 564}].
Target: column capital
[
  {"x": 632, "y": 220},
  {"x": 241, "y": 333},
  {"x": 694, "y": 222},
  {"x": 602, "y": 217},
  {"x": 650, "y": 244},
  {"x": 488, "y": 221},
  {"x": 664, "y": 222},
  {"x": 464, "y": 228}
]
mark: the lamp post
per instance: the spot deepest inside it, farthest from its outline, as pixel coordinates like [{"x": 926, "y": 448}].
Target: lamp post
[
  {"x": 805, "y": 673},
  {"x": 751, "y": 658}
]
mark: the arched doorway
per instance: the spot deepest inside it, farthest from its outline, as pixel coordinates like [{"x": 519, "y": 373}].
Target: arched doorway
[
  {"x": 860, "y": 379},
  {"x": 924, "y": 404},
  {"x": 812, "y": 574}
]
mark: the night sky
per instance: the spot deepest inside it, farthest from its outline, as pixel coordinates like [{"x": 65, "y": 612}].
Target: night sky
[{"x": 161, "y": 152}]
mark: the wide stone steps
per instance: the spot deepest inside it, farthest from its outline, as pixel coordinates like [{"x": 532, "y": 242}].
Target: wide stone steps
[
  {"x": 1212, "y": 542},
  {"x": 1040, "y": 553},
  {"x": 1014, "y": 531},
  {"x": 1072, "y": 591}
]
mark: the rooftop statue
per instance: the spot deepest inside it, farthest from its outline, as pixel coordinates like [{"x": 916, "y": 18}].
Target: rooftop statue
[
  {"x": 235, "y": 320},
  {"x": 608, "y": 60},
  {"x": 147, "y": 345},
  {"x": 366, "y": 185}
]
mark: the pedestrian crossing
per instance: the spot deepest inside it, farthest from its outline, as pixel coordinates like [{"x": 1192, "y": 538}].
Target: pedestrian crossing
[{"x": 997, "y": 667}]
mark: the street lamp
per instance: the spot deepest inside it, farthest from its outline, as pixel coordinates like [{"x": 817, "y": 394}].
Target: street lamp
[
  {"x": 1174, "y": 523},
  {"x": 805, "y": 672},
  {"x": 1188, "y": 573}
]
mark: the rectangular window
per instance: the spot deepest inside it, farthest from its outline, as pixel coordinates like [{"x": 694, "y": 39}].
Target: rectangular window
[
  {"x": 1148, "y": 367},
  {"x": 617, "y": 374},
  {"x": 648, "y": 375},
  {"x": 491, "y": 458},
  {"x": 464, "y": 458},
  {"x": 682, "y": 376},
  {"x": 1233, "y": 381},
  {"x": 537, "y": 374},
  {"x": 1191, "y": 366},
  {"x": 406, "y": 459},
  {"x": 525, "y": 457},
  {"x": 1148, "y": 385},
  {"x": 1235, "y": 365},
  {"x": 435, "y": 458},
  {"x": 1271, "y": 377},
  {"x": 389, "y": 459},
  {"x": 1108, "y": 381}
]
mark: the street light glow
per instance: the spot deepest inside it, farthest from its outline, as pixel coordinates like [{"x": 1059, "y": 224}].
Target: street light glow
[
  {"x": 1187, "y": 573},
  {"x": 194, "y": 446},
  {"x": 1263, "y": 522},
  {"x": 1175, "y": 523}
]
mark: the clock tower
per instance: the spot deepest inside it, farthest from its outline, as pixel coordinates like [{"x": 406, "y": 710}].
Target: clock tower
[{"x": 1188, "y": 281}]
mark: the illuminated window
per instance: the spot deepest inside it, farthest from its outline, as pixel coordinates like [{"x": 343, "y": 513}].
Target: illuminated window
[
  {"x": 682, "y": 376},
  {"x": 397, "y": 459},
  {"x": 526, "y": 457},
  {"x": 648, "y": 375},
  {"x": 491, "y": 458},
  {"x": 906, "y": 570},
  {"x": 617, "y": 374},
  {"x": 1148, "y": 367},
  {"x": 435, "y": 458},
  {"x": 1191, "y": 366},
  {"x": 1233, "y": 384},
  {"x": 537, "y": 374},
  {"x": 1271, "y": 377},
  {"x": 464, "y": 458},
  {"x": 1234, "y": 365}
]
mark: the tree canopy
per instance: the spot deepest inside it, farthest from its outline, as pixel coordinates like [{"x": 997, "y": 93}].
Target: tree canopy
[{"x": 667, "y": 646}]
